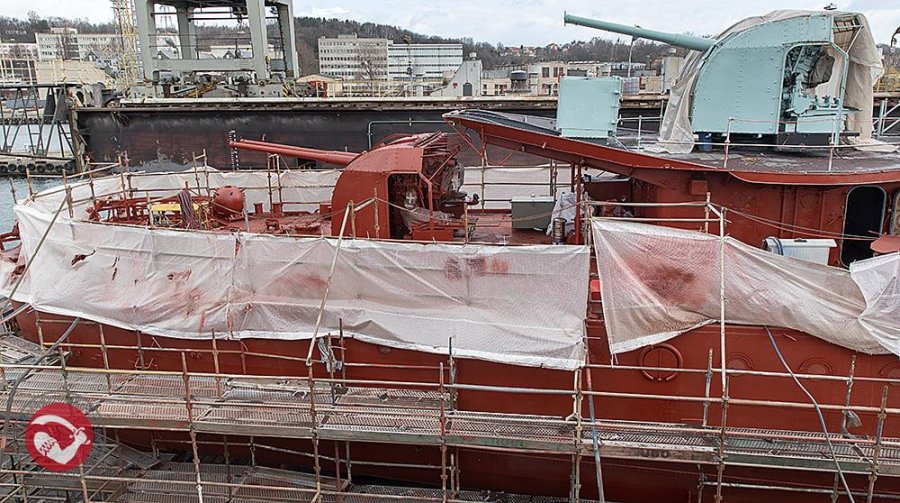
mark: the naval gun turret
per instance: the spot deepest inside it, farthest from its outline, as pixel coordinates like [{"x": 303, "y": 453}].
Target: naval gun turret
[{"x": 781, "y": 77}]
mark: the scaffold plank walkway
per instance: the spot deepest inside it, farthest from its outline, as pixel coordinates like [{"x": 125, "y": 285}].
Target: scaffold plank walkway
[{"x": 292, "y": 408}]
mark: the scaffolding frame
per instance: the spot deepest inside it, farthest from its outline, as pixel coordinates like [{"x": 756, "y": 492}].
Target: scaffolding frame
[
  {"x": 39, "y": 130},
  {"x": 323, "y": 404},
  {"x": 327, "y": 406}
]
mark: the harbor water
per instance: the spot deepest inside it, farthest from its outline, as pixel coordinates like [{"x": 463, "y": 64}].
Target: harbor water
[
  {"x": 34, "y": 138},
  {"x": 20, "y": 187}
]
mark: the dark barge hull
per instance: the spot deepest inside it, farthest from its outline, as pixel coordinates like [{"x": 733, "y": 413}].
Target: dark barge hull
[{"x": 166, "y": 134}]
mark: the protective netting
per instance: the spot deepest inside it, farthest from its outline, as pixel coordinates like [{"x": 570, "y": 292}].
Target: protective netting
[
  {"x": 658, "y": 282},
  {"x": 513, "y": 304}
]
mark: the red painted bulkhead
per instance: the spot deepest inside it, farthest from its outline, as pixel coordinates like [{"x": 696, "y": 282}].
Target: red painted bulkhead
[{"x": 756, "y": 211}]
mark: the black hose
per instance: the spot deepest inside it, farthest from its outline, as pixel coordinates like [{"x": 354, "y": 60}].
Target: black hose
[{"x": 837, "y": 464}]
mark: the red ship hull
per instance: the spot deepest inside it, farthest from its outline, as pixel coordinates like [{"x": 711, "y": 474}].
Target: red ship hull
[{"x": 628, "y": 395}]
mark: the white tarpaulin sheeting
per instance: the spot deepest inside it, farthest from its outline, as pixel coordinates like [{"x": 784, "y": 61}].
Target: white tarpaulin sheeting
[
  {"x": 879, "y": 280},
  {"x": 658, "y": 282},
  {"x": 520, "y": 305}
]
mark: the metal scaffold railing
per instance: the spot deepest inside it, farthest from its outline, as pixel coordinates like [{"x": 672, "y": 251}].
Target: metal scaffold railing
[
  {"x": 249, "y": 412},
  {"x": 313, "y": 401}
]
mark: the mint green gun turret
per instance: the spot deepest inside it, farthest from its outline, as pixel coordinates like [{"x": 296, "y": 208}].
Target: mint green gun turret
[
  {"x": 763, "y": 82},
  {"x": 676, "y": 39}
]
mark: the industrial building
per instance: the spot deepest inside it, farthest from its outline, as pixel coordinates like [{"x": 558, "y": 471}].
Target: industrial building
[
  {"x": 428, "y": 62},
  {"x": 267, "y": 72},
  {"x": 17, "y": 62},
  {"x": 67, "y": 43},
  {"x": 354, "y": 58},
  {"x": 350, "y": 57}
]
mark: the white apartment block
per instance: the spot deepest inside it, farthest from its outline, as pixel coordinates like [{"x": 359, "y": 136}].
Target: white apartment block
[
  {"x": 18, "y": 50},
  {"x": 429, "y": 62},
  {"x": 17, "y": 62},
  {"x": 67, "y": 43},
  {"x": 353, "y": 58}
]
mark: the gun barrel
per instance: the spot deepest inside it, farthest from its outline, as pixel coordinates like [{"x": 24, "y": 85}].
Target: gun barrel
[
  {"x": 311, "y": 154},
  {"x": 676, "y": 39}
]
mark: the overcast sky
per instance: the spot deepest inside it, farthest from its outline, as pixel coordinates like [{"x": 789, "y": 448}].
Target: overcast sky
[{"x": 518, "y": 22}]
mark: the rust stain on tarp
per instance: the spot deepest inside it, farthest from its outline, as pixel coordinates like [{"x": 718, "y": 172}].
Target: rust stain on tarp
[
  {"x": 81, "y": 256},
  {"x": 177, "y": 276},
  {"x": 456, "y": 269}
]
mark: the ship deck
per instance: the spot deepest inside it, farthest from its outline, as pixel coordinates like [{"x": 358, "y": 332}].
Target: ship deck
[
  {"x": 488, "y": 227},
  {"x": 520, "y": 131},
  {"x": 759, "y": 160}
]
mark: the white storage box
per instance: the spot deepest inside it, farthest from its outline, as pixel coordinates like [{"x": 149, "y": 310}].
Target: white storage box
[
  {"x": 532, "y": 212},
  {"x": 811, "y": 250}
]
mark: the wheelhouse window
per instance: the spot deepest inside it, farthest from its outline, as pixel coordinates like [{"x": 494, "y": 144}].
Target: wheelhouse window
[{"x": 863, "y": 218}]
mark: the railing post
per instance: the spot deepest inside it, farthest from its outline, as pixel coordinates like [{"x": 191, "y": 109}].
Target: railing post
[
  {"x": 576, "y": 456},
  {"x": 727, "y": 142},
  {"x": 722, "y": 353},
  {"x": 876, "y": 453},
  {"x": 140, "y": 349},
  {"x": 720, "y": 472},
  {"x": 196, "y": 173},
  {"x": 68, "y": 194},
  {"x": 216, "y": 367},
  {"x": 579, "y": 220},
  {"x": 105, "y": 355},
  {"x": 189, "y": 405},
  {"x": 709, "y": 374},
  {"x": 484, "y": 165},
  {"x": 343, "y": 346},
  {"x": 640, "y": 130},
  {"x": 706, "y": 213},
  {"x": 67, "y": 391},
  {"x": 443, "y": 432},
  {"x": 377, "y": 216},
  {"x": 269, "y": 178},
  {"x": 454, "y": 458},
  {"x": 228, "y": 474},
  {"x": 595, "y": 437},
  {"x": 847, "y": 410},
  {"x": 314, "y": 428},
  {"x": 278, "y": 161}
]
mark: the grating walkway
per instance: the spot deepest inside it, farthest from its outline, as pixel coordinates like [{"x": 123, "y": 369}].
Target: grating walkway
[
  {"x": 115, "y": 473},
  {"x": 290, "y": 408},
  {"x": 267, "y": 407}
]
